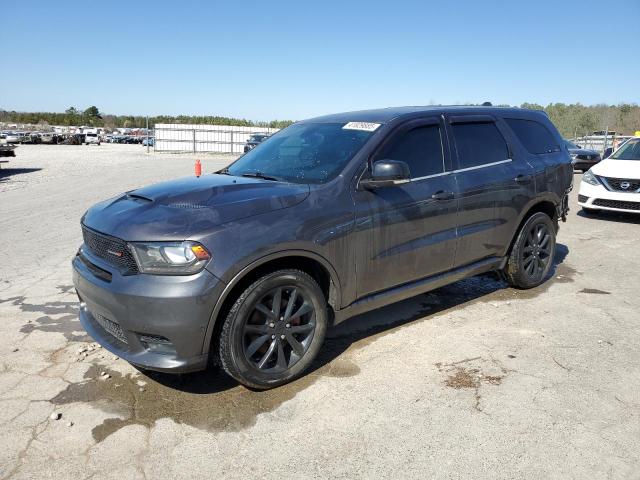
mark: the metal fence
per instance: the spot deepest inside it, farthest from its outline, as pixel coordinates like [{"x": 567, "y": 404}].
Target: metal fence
[
  {"x": 204, "y": 138},
  {"x": 600, "y": 143}
]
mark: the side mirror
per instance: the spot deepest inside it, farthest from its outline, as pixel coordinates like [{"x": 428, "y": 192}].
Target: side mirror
[{"x": 387, "y": 173}]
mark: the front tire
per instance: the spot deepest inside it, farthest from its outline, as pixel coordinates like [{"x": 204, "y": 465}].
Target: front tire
[
  {"x": 532, "y": 252},
  {"x": 274, "y": 330}
]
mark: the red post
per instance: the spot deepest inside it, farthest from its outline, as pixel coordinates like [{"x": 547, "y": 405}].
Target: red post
[{"x": 198, "y": 168}]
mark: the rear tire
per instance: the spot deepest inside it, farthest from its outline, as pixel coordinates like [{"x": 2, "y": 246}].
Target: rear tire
[
  {"x": 532, "y": 252},
  {"x": 274, "y": 330}
]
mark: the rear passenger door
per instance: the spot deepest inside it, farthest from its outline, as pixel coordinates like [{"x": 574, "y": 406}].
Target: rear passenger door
[
  {"x": 493, "y": 187},
  {"x": 409, "y": 230}
]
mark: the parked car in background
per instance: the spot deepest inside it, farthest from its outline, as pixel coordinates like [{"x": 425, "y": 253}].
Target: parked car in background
[
  {"x": 329, "y": 218},
  {"x": 614, "y": 183},
  {"x": 91, "y": 137},
  {"x": 50, "y": 138},
  {"x": 151, "y": 141},
  {"x": 254, "y": 140},
  {"x": 14, "y": 137},
  {"x": 581, "y": 159}
]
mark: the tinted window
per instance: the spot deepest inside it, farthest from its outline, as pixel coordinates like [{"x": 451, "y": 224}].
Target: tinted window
[
  {"x": 479, "y": 144},
  {"x": 535, "y": 137},
  {"x": 420, "y": 148}
]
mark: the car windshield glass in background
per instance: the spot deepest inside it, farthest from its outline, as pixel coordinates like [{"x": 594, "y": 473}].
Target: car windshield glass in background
[
  {"x": 303, "y": 153},
  {"x": 628, "y": 151},
  {"x": 534, "y": 136},
  {"x": 572, "y": 145}
]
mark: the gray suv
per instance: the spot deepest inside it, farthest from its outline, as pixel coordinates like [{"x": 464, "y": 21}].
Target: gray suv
[{"x": 248, "y": 267}]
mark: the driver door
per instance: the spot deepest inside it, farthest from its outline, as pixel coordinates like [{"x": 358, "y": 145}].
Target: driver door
[{"x": 408, "y": 231}]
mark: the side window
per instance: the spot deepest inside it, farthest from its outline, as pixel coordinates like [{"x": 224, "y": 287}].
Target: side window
[
  {"x": 535, "y": 137},
  {"x": 479, "y": 144},
  {"x": 420, "y": 148}
]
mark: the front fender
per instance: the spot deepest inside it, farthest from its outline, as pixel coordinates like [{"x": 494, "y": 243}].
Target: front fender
[{"x": 249, "y": 267}]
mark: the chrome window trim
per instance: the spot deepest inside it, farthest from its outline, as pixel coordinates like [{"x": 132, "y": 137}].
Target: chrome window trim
[
  {"x": 484, "y": 165},
  {"x": 435, "y": 175},
  {"x": 460, "y": 170}
]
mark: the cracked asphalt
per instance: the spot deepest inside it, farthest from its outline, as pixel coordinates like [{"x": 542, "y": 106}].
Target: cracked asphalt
[{"x": 474, "y": 380}]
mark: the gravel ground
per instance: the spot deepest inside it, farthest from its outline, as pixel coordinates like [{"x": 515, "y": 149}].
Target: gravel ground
[{"x": 474, "y": 380}]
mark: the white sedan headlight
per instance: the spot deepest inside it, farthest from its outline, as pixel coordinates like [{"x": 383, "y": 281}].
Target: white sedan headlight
[{"x": 590, "y": 178}]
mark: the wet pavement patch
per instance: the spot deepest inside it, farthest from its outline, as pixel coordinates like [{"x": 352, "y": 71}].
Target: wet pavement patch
[
  {"x": 594, "y": 291},
  {"x": 473, "y": 373},
  {"x": 207, "y": 400}
]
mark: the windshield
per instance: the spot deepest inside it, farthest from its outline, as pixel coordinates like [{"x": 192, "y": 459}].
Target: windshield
[
  {"x": 303, "y": 153},
  {"x": 256, "y": 138},
  {"x": 629, "y": 151},
  {"x": 570, "y": 144}
]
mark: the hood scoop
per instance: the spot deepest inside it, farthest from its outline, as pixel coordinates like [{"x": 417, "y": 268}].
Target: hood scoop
[{"x": 138, "y": 198}]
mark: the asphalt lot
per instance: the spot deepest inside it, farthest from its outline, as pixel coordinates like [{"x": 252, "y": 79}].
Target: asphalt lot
[{"x": 474, "y": 380}]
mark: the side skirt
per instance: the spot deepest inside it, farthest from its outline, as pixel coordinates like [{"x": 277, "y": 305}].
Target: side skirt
[{"x": 411, "y": 289}]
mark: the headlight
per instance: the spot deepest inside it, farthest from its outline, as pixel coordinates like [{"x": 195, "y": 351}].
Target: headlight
[
  {"x": 573, "y": 156},
  {"x": 170, "y": 258},
  {"x": 590, "y": 178}
]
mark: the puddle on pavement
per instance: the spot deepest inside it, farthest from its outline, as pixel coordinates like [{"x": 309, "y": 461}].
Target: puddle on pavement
[
  {"x": 207, "y": 400},
  {"x": 474, "y": 374},
  {"x": 594, "y": 291},
  {"x": 210, "y": 400}
]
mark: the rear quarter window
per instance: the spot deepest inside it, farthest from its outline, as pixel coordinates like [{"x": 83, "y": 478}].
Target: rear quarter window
[
  {"x": 479, "y": 144},
  {"x": 535, "y": 137}
]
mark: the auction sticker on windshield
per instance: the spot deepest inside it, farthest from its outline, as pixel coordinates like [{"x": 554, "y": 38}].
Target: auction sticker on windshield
[{"x": 366, "y": 126}]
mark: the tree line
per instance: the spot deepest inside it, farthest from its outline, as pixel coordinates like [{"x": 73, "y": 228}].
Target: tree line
[
  {"x": 570, "y": 119},
  {"x": 93, "y": 117}
]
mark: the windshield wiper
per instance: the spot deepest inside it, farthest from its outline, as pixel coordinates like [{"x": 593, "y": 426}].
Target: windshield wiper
[
  {"x": 224, "y": 171},
  {"x": 260, "y": 175}
]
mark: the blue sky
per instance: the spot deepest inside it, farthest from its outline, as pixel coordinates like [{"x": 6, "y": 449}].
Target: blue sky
[{"x": 296, "y": 59}]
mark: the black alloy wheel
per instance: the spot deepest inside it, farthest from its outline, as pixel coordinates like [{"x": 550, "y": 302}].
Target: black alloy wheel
[
  {"x": 279, "y": 330},
  {"x": 274, "y": 330},
  {"x": 536, "y": 254},
  {"x": 532, "y": 252}
]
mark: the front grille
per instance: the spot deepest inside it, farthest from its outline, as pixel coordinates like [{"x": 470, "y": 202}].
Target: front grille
[
  {"x": 582, "y": 198},
  {"x": 110, "y": 327},
  {"x": 112, "y": 250},
  {"x": 600, "y": 202},
  {"x": 617, "y": 184},
  {"x": 588, "y": 157}
]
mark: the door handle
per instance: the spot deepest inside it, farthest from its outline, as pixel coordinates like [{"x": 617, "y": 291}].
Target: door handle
[
  {"x": 523, "y": 178},
  {"x": 442, "y": 195}
]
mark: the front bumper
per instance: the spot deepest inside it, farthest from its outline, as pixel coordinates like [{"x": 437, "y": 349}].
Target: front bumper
[
  {"x": 581, "y": 164},
  {"x": 597, "y": 197},
  {"x": 118, "y": 311}
]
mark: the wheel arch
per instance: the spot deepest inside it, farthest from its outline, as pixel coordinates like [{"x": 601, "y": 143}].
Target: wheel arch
[
  {"x": 315, "y": 265},
  {"x": 546, "y": 204}
]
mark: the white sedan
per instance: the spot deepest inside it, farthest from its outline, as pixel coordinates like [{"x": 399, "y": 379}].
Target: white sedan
[{"x": 614, "y": 183}]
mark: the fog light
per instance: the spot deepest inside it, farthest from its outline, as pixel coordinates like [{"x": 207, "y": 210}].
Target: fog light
[{"x": 157, "y": 344}]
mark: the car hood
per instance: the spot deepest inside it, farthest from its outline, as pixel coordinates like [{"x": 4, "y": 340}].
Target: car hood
[
  {"x": 188, "y": 207},
  {"x": 582, "y": 151},
  {"x": 618, "y": 168}
]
